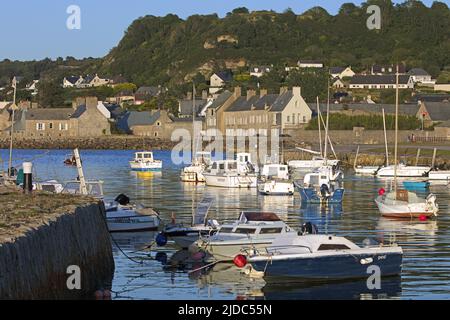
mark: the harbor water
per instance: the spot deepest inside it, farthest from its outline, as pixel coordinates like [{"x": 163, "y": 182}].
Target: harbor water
[{"x": 164, "y": 273}]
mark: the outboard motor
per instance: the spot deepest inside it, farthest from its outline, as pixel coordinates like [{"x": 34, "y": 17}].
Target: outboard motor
[
  {"x": 122, "y": 199},
  {"x": 325, "y": 191},
  {"x": 309, "y": 228}
]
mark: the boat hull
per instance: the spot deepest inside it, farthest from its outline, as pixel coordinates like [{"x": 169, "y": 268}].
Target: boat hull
[
  {"x": 402, "y": 211},
  {"x": 311, "y": 195},
  {"x": 330, "y": 265},
  {"x": 231, "y": 181},
  {"x": 228, "y": 251},
  {"x": 310, "y": 164},
  {"x": 439, "y": 175},
  {"x": 145, "y": 166},
  {"x": 132, "y": 223},
  {"x": 403, "y": 171},
  {"x": 276, "y": 188},
  {"x": 184, "y": 238}
]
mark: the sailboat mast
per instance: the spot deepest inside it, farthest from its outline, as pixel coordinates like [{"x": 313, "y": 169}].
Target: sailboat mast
[
  {"x": 13, "y": 107},
  {"x": 385, "y": 138},
  {"x": 320, "y": 131},
  {"x": 325, "y": 153},
  {"x": 193, "y": 122},
  {"x": 396, "y": 132}
]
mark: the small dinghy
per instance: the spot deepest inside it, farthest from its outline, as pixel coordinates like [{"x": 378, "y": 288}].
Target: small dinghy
[
  {"x": 121, "y": 216},
  {"x": 416, "y": 185},
  {"x": 184, "y": 235},
  {"x": 313, "y": 257}
]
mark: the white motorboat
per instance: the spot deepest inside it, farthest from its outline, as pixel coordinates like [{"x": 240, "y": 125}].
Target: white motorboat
[
  {"x": 323, "y": 175},
  {"x": 252, "y": 230},
  {"x": 194, "y": 172},
  {"x": 314, "y": 257},
  {"x": 275, "y": 180},
  {"x": 52, "y": 186},
  {"x": 406, "y": 204},
  {"x": 240, "y": 173},
  {"x": 184, "y": 235},
  {"x": 319, "y": 186},
  {"x": 121, "y": 216},
  {"x": 144, "y": 161},
  {"x": 442, "y": 175},
  {"x": 404, "y": 171}
]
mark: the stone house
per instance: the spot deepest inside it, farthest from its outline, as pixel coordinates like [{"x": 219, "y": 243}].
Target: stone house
[
  {"x": 218, "y": 80},
  {"x": 83, "y": 120},
  {"x": 258, "y": 115},
  {"x": 433, "y": 112},
  {"x": 381, "y": 82},
  {"x": 214, "y": 119}
]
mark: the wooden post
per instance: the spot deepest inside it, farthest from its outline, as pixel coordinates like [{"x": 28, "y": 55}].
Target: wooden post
[
  {"x": 356, "y": 158},
  {"x": 417, "y": 156},
  {"x": 433, "y": 161}
]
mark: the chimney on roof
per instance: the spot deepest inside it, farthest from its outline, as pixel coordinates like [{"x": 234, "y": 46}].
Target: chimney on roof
[
  {"x": 297, "y": 91},
  {"x": 91, "y": 102},
  {"x": 262, "y": 92},
  {"x": 204, "y": 95},
  {"x": 283, "y": 90},
  {"x": 78, "y": 101},
  {"x": 237, "y": 92},
  {"x": 250, "y": 93}
]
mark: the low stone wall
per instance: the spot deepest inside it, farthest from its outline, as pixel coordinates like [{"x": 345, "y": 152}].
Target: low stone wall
[
  {"x": 33, "y": 265},
  {"x": 116, "y": 142}
]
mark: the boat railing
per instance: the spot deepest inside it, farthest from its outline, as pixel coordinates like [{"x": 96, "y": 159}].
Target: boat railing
[{"x": 275, "y": 250}]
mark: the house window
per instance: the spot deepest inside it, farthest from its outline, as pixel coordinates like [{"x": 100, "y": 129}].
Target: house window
[
  {"x": 50, "y": 125},
  {"x": 288, "y": 118},
  {"x": 158, "y": 124},
  {"x": 156, "y": 134},
  {"x": 304, "y": 119},
  {"x": 40, "y": 126},
  {"x": 63, "y": 126}
]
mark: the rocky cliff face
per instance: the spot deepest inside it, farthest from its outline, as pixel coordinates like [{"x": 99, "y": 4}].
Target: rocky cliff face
[{"x": 34, "y": 265}]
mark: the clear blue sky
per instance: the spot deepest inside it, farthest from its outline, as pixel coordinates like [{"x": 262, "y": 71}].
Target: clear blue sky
[{"x": 37, "y": 29}]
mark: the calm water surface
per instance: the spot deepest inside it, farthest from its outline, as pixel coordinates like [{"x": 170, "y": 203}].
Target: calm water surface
[{"x": 164, "y": 274}]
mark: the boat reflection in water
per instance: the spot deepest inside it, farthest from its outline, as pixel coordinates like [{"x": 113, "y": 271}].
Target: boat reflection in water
[
  {"x": 322, "y": 216},
  {"x": 228, "y": 277},
  {"x": 132, "y": 241},
  {"x": 407, "y": 231},
  {"x": 146, "y": 175}
]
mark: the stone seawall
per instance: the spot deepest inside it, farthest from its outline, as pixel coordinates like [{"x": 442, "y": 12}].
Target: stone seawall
[
  {"x": 34, "y": 260},
  {"x": 116, "y": 142}
]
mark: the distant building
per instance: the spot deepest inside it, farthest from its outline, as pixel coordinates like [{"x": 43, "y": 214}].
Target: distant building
[
  {"x": 421, "y": 76},
  {"x": 442, "y": 87},
  {"x": 387, "y": 69},
  {"x": 381, "y": 82},
  {"x": 144, "y": 94},
  {"x": 218, "y": 80},
  {"x": 32, "y": 86},
  {"x": 215, "y": 112},
  {"x": 338, "y": 83},
  {"x": 433, "y": 112},
  {"x": 72, "y": 81},
  {"x": 310, "y": 64},
  {"x": 341, "y": 72},
  {"x": 84, "y": 82},
  {"x": 186, "y": 106},
  {"x": 259, "y": 71}
]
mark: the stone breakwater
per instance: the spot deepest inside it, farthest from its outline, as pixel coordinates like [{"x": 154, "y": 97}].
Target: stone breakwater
[
  {"x": 44, "y": 235},
  {"x": 118, "y": 142}
]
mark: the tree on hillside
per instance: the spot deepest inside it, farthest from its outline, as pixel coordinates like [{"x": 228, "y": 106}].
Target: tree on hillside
[{"x": 50, "y": 94}]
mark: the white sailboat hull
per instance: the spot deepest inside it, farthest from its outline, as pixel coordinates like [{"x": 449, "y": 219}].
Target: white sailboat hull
[
  {"x": 439, "y": 175},
  {"x": 311, "y": 164},
  {"x": 368, "y": 170},
  {"x": 231, "y": 181},
  {"x": 404, "y": 209},
  {"x": 128, "y": 220},
  {"x": 404, "y": 171}
]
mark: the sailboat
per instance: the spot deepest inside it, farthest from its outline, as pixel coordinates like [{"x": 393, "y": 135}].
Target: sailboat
[
  {"x": 200, "y": 160},
  {"x": 402, "y": 203},
  {"x": 323, "y": 184}
]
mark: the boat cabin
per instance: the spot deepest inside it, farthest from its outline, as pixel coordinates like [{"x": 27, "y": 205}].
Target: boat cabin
[
  {"x": 277, "y": 171},
  {"x": 242, "y": 165},
  {"x": 255, "y": 224},
  {"x": 146, "y": 156}
]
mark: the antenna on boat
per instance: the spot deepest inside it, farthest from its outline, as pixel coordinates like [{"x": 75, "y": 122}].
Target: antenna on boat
[
  {"x": 193, "y": 121},
  {"x": 318, "y": 122},
  {"x": 396, "y": 132},
  {"x": 328, "y": 121},
  {"x": 385, "y": 139},
  {"x": 13, "y": 108}
]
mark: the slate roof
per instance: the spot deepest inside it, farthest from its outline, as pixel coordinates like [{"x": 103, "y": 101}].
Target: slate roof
[
  {"x": 335, "y": 70},
  {"x": 242, "y": 104},
  {"x": 88, "y": 79},
  {"x": 72, "y": 79},
  {"x": 221, "y": 99},
  {"x": 439, "y": 97},
  {"x": 115, "y": 110},
  {"x": 49, "y": 114},
  {"x": 264, "y": 101},
  {"x": 379, "y": 79},
  {"x": 275, "y": 102},
  {"x": 282, "y": 101},
  {"x": 186, "y": 106},
  {"x": 144, "y": 93},
  {"x": 404, "y": 109},
  {"x": 79, "y": 111},
  {"x": 225, "y": 75},
  {"x": 137, "y": 118},
  {"x": 438, "y": 111},
  {"x": 418, "y": 72}
]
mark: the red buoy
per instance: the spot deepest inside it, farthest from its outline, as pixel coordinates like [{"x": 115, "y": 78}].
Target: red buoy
[
  {"x": 240, "y": 261},
  {"x": 423, "y": 217},
  {"x": 381, "y": 192}
]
